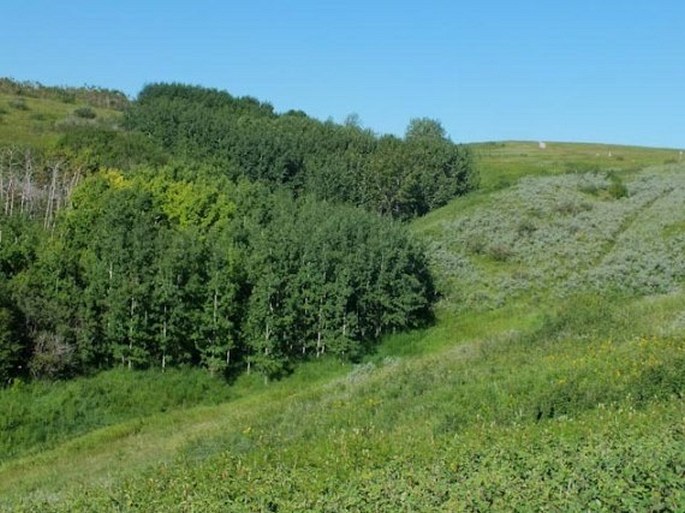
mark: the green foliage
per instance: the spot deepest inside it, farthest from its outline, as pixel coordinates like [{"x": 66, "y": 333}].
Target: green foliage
[
  {"x": 18, "y": 103},
  {"x": 617, "y": 189},
  {"x": 19, "y": 239},
  {"x": 39, "y": 415},
  {"x": 326, "y": 278},
  {"x": 569, "y": 402},
  {"x": 557, "y": 235},
  {"x": 553, "y": 379},
  {"x": 425, "y": 128},
  {"x": 587, "y": 316},
  {"x": 93, "y": 96},
  {"x": 85, "y": 113},
  {"x": 341, "y": 163},
  {"x": 13, "y": 343},
  {"x": 159, "y": 270},
  {"x": 95, "y": 147},
  {"x": 492, "y": 424}
]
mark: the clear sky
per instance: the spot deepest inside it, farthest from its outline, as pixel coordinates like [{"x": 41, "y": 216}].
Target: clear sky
[{"x": 568, "y": 70}]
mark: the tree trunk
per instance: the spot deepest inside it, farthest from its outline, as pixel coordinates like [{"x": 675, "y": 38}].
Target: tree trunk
[
  {"x": 164, "y": 339},
  {"x": 26, "y": 184},
  {"x": 52, "y": 193},
  {"x": 130, "y": 332}
]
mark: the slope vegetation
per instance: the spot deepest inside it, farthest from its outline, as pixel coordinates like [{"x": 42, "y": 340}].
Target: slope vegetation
[{"x": 553, "y": 378}]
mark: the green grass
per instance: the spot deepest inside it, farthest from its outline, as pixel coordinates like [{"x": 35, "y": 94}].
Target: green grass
[
  {"x": 574, "y": 401},
  {"x": 36, "y": 122},
  {"x": 553, "y": 379},
  {"x": 459, "y": 428},
  {"x": 39, "y": 415},
  {"x": 503, "y": 163}
]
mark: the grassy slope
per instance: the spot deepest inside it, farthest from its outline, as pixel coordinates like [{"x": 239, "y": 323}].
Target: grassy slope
[
  {"x": 506, "y": 162},
  {"x": 36, "y": 122},
  {"x": 532, "y": 391}
]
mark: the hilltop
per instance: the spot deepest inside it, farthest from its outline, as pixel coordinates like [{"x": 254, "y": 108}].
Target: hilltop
[{"x": 552, "y": 377}]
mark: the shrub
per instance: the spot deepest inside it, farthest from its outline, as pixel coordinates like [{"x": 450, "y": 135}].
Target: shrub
[
  {"x": 85, "y": 113},
  {"x": 582, "y": 238},
  {"x": 52, "y": 356},
  {"x": 500, "y": 252},
  {"x": 617, "y": 189},
  {"x": 525, "y": 227},
  {"x": 18, "y": 104}
]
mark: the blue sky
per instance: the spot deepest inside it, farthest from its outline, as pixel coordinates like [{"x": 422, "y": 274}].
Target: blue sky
[{"x": 597, "y": 71}]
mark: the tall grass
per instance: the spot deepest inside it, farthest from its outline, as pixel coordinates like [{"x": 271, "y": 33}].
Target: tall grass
[
  {"x": 553, "y": 380},
  {"x": 39, "y": 415},
  {"x": 567, "y": 416}
]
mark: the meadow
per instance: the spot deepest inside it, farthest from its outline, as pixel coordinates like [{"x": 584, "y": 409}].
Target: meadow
[
  {"x": 552, "y": 379},
  {"x": 36, "y": 122},
  {"x": 508, "y": 161},
  {"x": 559, "y": 389},
  {"x": 581, "y": 411}
]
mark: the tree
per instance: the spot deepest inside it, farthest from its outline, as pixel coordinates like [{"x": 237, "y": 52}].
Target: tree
[
  {"x": 341, "y": 163},
  {"x": 14, "y": 350},
  {"x": 353, "y": 120},
  {"x": 425, "y": 128},
  {"x": 223, "y": 302},
  {"x": 328, "y": 279}
]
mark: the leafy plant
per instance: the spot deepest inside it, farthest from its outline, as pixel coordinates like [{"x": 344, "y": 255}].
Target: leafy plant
[
  {"x": 85, "y": 112},
  {"x": 617, "y": 189},
  {"x": 18, "y": 104}
]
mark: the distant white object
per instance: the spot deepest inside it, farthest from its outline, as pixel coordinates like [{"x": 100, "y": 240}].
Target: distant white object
[
  {"x": 542, "y": 145},
  {"x": 680, "y": 157},
  {"x": 610, "y": 155}
]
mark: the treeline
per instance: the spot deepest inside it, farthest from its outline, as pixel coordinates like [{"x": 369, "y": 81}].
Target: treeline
[
  {"x": 90, "y": 95},
  {"x": 402, "y": 178},
  {"x": 214, "y": 232},
  {"x": 158, "y": 269}
]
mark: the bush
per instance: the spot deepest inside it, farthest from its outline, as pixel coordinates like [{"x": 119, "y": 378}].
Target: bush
[
  {"x": 52, "y": 356},
  {"x": 500, "y": 252},
  {"x": 18, "y": 104},
  {"x": 40, "y": 414},
  {"x": 617, "y": 189},
  {"x": 85, "y": 113}
]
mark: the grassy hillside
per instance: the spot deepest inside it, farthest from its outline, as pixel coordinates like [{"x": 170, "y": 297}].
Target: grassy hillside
[
  {"x": 553, "y": 379},
  {"x": 38, "y": 122},
  {"x": 547, "y": 237},
  {"x": 544, "y": 418},
  {"x": 503, "y": 163}
]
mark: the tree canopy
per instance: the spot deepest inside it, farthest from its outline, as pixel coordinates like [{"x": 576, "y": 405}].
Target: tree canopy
[
  {"x": 212, "y": 231},
  {"x": 335, "y": 162}
]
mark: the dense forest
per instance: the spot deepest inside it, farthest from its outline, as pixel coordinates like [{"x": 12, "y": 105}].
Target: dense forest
[{"x": 207, "y": 230}]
